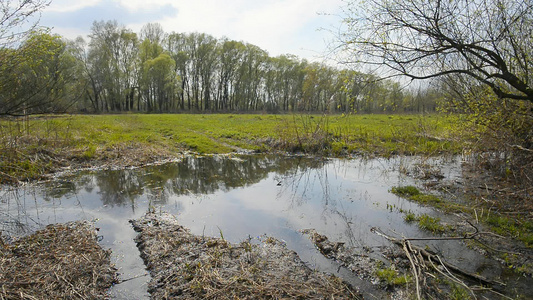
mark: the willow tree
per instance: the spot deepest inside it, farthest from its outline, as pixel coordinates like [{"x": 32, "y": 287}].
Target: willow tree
[
  {"x": 37, "y": 77},
  {"x": 18, "y": 21}
]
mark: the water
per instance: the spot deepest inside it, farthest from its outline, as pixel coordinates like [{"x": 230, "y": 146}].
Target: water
[{"x": 236, "y": 197}]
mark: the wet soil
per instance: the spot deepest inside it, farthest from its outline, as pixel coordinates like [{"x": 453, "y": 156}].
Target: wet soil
[
  {"x": 62, "y": 261},
  {"x": 51, "y": 163},
  {"x": 360, "y": 263},
  {"x": 187, "y": 266},
  {"x": 484, "y": 195}
]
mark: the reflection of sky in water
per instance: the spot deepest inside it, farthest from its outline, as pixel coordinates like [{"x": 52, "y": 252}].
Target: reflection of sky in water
[{"x": 237, "y": 198}]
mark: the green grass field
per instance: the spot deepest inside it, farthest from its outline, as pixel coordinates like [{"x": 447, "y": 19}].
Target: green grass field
[
  {"x": 381, "y": 134},
  {"x": 27, "y": 144}
]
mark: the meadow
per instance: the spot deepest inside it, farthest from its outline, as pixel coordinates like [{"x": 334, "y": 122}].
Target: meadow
[{"x": 32, "y": 147}]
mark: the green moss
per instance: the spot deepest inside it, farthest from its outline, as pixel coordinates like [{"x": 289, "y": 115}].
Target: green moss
[
  {"x": 425, "y": 222},
  {"x": 426, "y": 199},
  {"x": 458, "y": 292},
  {"x": 431, "y": 224},
  {"x": 410, "y": 217},
  {"x": 391, "y": 277},
  {"x": 405, "y": 191},
  {"x": 413, "y": 194},
  {"x": 514, "y": 227}
]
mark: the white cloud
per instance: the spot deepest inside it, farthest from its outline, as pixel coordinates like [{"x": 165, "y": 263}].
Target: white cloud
[
  {"x": 69, "y": 5},
  {"x": 277, "y": 26}
]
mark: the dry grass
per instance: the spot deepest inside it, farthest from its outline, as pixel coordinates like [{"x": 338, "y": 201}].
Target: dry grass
[
  {"x": 59, "y": 262},
  {"x": 186, "y": 266}
]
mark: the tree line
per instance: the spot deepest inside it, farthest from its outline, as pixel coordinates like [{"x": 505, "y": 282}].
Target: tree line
[{"x": 119, "y": 70}]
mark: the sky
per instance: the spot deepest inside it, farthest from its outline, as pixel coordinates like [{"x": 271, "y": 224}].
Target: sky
[{"x": 298, "y": 27}]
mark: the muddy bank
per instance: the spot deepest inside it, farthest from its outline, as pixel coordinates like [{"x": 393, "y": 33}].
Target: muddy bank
[
  {"x": 62, "y": 261},
  {"x": 389, "y": 275},
  {"x": 408, "y": 271},
  {"x": 49, "y": 163},
  {"x": 187, "y": 266}
]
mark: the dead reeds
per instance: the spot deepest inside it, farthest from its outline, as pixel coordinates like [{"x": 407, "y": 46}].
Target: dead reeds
[
  {"x": 62, "y": 261},
  {"x": 187, "y": 266}
]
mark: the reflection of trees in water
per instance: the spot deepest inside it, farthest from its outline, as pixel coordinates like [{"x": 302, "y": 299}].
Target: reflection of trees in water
[
  {"x": 14, "y": 218},
  {"x": 66, "y": 186},
  {"x": 119, "y": 187},
  {"x": 192, "y": 175},
  {"x": 301, "y": 179},
  {"x": 314, "y": 181},
  {"x": 207, "y": 175}
]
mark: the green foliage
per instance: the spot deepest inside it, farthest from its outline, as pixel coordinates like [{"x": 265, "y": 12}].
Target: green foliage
[
  {"x": 35, "y": 78},
  {"x": 502, "y": 128}
]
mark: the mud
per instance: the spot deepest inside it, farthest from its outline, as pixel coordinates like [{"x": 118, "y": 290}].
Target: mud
[
  {"x": 187, "y": 266},
  {"x": 359, "y": 262}
]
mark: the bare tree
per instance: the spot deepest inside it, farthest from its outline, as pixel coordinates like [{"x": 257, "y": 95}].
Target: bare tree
[
  {"x": 490, "y": 41},
  {"x": 18, "y": 18}
]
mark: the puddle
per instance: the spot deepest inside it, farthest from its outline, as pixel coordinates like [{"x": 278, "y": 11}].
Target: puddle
[{"x": 238, "y": 198}]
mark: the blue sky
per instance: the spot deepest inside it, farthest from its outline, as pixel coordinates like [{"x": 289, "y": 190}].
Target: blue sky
[{"x": 277, "y": 26}]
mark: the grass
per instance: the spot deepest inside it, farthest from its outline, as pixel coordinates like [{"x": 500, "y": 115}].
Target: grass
[
  {"x": 391, "y": 277},
  {"x": 27, "y": 146},
  {"x": 412, "y": 193},
  {"x": 430, "y": 224},
  {"x": 514, "y": 226},
  {"x": 425, "y": 222}
]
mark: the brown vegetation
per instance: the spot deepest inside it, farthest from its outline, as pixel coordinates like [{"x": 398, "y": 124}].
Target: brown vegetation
[
  {"x": 187, "y": 266},
  {"x": 58, "y": 262}
]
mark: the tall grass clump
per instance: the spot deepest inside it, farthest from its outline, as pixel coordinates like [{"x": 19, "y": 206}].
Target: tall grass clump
[
  {"x": 27, "y": 146},
  {"x": 306, "y": 134}
]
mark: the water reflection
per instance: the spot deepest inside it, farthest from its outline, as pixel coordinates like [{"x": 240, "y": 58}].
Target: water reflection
[
  {"x": 193, "y": 175},
  {"x": 238, "y": 196}
]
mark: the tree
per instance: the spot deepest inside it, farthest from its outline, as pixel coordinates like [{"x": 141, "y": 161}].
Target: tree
[
  {"x": 231, "y": 54},
  {"x": 37, "y": 77},
  {"x": 481, "y": 50},
  {"x": 111, "y": 65},
  {"x": 160, "y": 82},
  {"x": 15, "y": 17},
  {"x": 17, "y": 24},
  {"x": 176, "y": 46},
  {"x": 249, "y": 78},
  {"x": 490, "y": 41}
]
